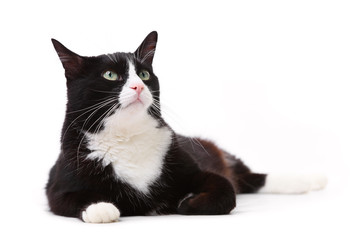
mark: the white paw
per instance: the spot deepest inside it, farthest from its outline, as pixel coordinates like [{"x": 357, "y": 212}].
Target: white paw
[
  {"x": 101, "y": 212},
  {"x": 293, "y": 184}
]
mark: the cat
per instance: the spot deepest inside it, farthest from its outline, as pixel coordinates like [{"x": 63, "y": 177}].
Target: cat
[{"x": 120, "y": 158}]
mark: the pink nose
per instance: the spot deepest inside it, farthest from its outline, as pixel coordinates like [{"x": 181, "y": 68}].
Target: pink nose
[{"x": 138, "y": 87}]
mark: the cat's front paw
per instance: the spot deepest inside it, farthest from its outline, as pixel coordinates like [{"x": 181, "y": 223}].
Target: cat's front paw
[{"x": 101, "y": 212}]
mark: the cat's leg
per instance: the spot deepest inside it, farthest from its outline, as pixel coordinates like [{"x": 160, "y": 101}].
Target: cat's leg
[
  {"x": 88, "y": 207},
  {"x": 211, "y": 195}
]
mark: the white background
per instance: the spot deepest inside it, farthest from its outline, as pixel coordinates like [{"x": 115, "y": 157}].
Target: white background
[{"x": 275, "y": 82}]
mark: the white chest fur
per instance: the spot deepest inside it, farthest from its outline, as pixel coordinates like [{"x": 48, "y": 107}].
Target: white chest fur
[{"x": 135, "y": 150}]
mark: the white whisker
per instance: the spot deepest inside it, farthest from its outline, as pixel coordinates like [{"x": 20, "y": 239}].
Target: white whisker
[
  {"x": 109, "y": 112},
  {"x": 101, "y": 91},
  {"x": 172, "y": 115},
  {"x": 90, "y": 116},
  {"x": 84, "y": 135},
  {"x": 93, "y": 107}
]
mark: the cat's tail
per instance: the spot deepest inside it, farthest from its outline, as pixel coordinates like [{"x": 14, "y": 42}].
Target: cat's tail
[
  {"x": 280, "y": 183},
  {"x": 246, "y": 181}
]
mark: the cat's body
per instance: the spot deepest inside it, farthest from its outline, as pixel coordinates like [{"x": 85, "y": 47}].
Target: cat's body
[{"x": 119, "y": 156}]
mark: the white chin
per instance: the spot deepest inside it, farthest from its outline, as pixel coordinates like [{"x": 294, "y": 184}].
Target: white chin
[{"x": 135, "y": 107}]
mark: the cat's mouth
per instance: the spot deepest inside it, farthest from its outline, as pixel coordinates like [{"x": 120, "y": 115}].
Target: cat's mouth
[
  {"x": 138, "y": 100},
  {"x": 135, "y": 103}
]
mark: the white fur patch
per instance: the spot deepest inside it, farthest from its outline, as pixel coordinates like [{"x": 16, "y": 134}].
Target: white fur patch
[
  {"x": 101, "y": 212},
  {"x": 293, "y": 184},
  {"x": 135, "y": 150}
]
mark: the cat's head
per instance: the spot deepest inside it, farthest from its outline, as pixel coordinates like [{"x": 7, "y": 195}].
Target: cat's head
[{"x": 120, "y": 82}]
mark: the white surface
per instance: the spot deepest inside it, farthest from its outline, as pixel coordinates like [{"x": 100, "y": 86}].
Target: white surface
[{"x": 275, "y": 82}]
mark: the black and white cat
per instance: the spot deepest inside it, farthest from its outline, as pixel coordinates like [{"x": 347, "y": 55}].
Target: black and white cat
[{"x": 119, "y": 157}]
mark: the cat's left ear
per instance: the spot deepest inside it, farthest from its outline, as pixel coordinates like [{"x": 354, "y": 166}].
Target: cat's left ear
[
  {"x": 145, "y": 52},
  {"x": 71, "y": 61}
]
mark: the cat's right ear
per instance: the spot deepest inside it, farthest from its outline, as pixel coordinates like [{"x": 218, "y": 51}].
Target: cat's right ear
[{"x": 71, "y": 61}]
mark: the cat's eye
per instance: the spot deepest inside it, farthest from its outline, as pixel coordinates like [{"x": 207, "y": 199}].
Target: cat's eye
[
  {"x": 144, "y": 75},
  {"x": 110, "y": 75}
]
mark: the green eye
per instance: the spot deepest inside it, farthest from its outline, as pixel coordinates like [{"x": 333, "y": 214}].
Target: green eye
[
  {"x": 110, "y": 75},
  {"x": 144, "y": 75}
]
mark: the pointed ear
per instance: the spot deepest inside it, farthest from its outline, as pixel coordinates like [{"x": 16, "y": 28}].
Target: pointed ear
[
  {"x": 145, "y": 52},
  {"x": 71, "y": 61}
]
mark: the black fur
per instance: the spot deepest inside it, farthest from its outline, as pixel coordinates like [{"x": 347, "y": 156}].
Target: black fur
[{"x": 197, "y": 167}]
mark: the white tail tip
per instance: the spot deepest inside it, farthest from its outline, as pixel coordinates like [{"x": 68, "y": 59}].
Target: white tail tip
[{"x": 293, "y": 183}]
